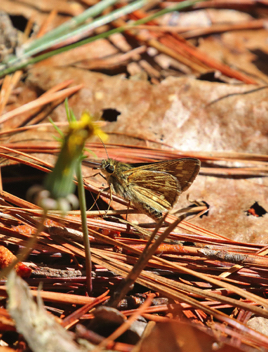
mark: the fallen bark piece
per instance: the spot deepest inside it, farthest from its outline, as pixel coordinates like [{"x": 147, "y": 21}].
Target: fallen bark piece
[{"x": 38, "y": 327}]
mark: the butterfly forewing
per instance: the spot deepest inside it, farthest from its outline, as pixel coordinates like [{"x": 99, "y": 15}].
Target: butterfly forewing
[{"x": 185, "y": 170}]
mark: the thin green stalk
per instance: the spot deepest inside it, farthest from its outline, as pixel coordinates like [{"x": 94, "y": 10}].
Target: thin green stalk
[
  {"x": 72, "y": 23},
  {"x": 41, "y": 57},
  {"x": 79, "y": 32},
  {"x": 58, "y": 36},
  {"x": 83, "y": 209}
]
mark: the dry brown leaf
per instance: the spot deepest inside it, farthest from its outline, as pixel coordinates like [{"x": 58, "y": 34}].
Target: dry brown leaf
[
  {"x": 259, "y": 324},
  {"x": 189, "y": 115},
  {"x": 204, "y": 18},
  {"x": 22, "y": 95},
  {"x": 88, "y": 52},
  {"x": 184, "y": 113},
  {"x": 30, "y": 12},
  {"x": 229, "y": 200},
  {"x": 72, "y": 8},
  {"x": 175, "y": 337},
  {"x": 243, "y": 50}
]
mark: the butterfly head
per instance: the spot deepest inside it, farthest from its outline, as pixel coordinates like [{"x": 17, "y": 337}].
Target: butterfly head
[{"x": 108, "y": 166}]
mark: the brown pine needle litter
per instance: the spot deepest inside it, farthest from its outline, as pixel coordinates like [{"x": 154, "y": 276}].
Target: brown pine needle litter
[
  {"x": 199, "y": 265},
  {"x": 181, "y": 271}
]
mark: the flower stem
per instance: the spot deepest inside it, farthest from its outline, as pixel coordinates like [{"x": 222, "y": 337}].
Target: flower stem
[{"x": 82, "y": 202}]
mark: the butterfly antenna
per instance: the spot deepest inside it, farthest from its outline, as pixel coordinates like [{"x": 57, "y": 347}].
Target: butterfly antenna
[{"x": 104, "y": 147}]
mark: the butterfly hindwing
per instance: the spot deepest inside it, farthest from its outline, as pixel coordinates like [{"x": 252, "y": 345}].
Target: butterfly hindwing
[{"x": 158, "y": 186}]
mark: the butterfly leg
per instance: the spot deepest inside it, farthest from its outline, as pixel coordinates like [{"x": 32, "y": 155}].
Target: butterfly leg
[
  {"x": 110, "y": 188},
  {"x": 98, "y": 196},
  {"x": 104, "y": 190},
  {"x": 98, "y": 173},
  {"x": 127, "y": 209}
]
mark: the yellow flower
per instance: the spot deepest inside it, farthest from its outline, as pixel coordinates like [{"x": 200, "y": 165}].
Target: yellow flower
[
  {"x": 87, "y": 120},
  {"x": 59, "y": 183}
]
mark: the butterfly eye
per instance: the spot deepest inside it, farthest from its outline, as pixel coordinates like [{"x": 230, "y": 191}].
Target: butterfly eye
[{"x": 109, "y": 168}]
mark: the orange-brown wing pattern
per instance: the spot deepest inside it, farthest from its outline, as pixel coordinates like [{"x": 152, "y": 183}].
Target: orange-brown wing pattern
[
  {"x": 150, "y": 199},
  {"x": 159, "y": 186},
  {"x": 184, "y": 170}
]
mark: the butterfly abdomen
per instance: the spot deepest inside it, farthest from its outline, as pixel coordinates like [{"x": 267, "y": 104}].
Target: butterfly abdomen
[{"x": 153, "y": 213}]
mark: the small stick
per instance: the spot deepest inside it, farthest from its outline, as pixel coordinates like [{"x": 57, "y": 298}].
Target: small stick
[{"x": 144, "y": 258}]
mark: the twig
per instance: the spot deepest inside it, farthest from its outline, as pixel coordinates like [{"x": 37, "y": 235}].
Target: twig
[{"x": 144, "y": 258}]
